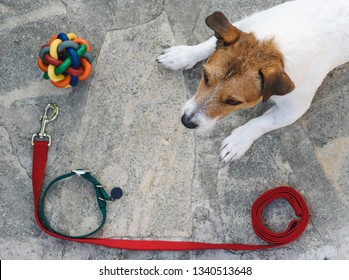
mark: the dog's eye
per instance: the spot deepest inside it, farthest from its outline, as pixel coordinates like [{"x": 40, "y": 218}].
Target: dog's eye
[{"x": 233, "y": 102}]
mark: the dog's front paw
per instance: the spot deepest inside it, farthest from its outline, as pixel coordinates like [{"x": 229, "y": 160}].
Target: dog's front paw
[
  {"x": 178, "y": 57},
  {"x": 235, "y": 146}
]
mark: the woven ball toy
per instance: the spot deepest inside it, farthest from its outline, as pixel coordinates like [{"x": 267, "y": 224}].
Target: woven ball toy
[{"x": 65, "y": 60}]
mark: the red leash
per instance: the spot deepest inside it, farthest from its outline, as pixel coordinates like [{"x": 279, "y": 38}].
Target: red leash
[{"x": 294, "y": 230}]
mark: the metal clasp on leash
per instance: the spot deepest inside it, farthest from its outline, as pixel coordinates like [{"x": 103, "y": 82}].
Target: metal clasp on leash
[{"x": 50, "y": 114}]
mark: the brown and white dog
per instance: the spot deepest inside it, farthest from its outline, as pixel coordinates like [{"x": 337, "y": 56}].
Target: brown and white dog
[{"x": 282, "y": 54}]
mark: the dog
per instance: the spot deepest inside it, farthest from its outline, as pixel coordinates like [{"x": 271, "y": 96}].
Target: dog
[{"x": 282, "y": 54}]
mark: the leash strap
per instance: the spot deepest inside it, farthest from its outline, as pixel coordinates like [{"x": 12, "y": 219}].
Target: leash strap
[{"x": 293, "y": 231}]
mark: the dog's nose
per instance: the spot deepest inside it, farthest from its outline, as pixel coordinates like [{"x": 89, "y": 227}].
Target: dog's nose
[{"x": 187, "y": 122}]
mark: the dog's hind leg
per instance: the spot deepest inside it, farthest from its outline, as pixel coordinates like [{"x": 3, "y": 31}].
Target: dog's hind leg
[{"x": 185, "y": 57}]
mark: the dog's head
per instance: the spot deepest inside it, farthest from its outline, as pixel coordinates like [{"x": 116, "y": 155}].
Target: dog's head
[{"x": 240, "y": 73}]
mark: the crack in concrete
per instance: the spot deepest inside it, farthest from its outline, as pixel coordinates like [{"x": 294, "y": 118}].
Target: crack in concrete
[
  {"x": 196, "y": 20},
  {"x": 219, "y": 229},
  {"x": 137, "y": 25},
  {"x": 192, "y": 188},
  {"x": 65, "y": 4}
]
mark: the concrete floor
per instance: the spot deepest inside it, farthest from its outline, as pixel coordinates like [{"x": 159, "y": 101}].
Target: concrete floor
[{"x": 123, "y": 124}]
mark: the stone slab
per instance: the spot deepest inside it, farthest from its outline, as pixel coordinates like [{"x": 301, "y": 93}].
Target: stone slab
[
  {"x": 131, "y": 138},
  {"x": 178, "y": 192}
]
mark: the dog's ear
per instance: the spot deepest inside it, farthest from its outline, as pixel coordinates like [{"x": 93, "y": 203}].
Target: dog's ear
[
  {"x": 223, "y": 29},
  {"x": 275, "y": 81}
]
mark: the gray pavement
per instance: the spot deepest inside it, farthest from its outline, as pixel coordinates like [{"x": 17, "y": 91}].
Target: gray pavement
[{"x": 123, "y": 124}]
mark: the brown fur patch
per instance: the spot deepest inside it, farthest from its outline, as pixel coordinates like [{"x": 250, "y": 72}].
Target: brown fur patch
[
  {"x": 222, "y": 27},
  {"x": 232, "y": 77}
]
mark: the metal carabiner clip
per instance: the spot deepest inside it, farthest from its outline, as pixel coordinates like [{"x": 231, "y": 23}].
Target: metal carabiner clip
[{"x": 50, "y": 114}]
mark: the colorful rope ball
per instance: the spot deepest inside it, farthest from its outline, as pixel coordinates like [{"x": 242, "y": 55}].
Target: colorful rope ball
[{"x": 65, "y": 60}]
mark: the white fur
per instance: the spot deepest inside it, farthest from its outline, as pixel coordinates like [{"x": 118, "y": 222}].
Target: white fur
[
  {"x": 204, "y": 123},
  {"x": 185, "y": 57},
  {"x": 312, "y": 35}
]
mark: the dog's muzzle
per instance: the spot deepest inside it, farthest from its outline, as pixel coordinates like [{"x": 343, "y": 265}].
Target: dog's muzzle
[{"x": 187, "y": 122}]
